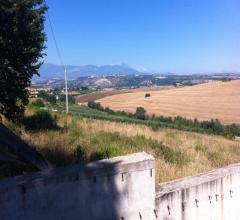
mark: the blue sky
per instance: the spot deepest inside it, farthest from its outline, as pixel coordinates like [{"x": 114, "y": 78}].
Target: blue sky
[{"x": 181, "y": 36}]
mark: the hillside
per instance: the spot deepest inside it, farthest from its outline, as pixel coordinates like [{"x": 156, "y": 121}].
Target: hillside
[
  {"x": 215, "y": 100},
  {"x": 177, "y": 153},
  {"x": 94, "y": 96}
]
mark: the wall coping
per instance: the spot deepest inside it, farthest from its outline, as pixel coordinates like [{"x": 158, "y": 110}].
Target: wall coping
[
  {"x": 122, "y": 164},
  {"x": 191, "y": 181}
]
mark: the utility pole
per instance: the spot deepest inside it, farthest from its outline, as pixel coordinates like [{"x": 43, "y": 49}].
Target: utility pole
[{"x": 66, "y": 90}]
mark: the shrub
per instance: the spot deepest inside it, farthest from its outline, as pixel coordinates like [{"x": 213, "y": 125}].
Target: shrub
[
  {"x": 80, "y": 154},
  {"x": 41, "y": 120},
  {"x": 95, "y": 105},
  {"x": 147, "y": 95},
  {"x": 231, "y": 130},
  {"x": 140, "y": 113},
  {"x": 170, "y": 155},
  {"x": 84, "y": 88},
  {"x": 109, "y": 110},
  {"x": 213, "y": 156},
  {"x": 71, "y": 98},
  {"x": 155, "y": 127},
  {"x": 200, "y": 148},
  {"x": 48, "y": 97},
  {"x": 105, "y": 152},
  {"x": 38, "y": 103},
  {"x": 226, "y": 79}
]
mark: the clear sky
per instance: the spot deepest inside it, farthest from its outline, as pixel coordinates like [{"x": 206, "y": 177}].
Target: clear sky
[{"x": 181, "y": 36}]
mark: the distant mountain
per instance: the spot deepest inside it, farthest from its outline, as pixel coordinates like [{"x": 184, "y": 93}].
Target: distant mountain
[{"x": 52, "y": 71}]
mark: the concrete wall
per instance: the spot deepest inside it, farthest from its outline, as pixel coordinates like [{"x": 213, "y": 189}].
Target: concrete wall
[
  {"x": 120, "y": 188},
  {"x": 213, "y": 195}
]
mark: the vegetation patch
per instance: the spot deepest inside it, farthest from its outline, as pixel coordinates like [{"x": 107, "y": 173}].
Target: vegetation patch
[
  {"x": 80, "y": 154},
  {"x": 86, "y": 140},
  {"x": 40, "y": 120},
  {"x": 208, "y": 127},
  {"x": 147, "y": 95},
  {"x": 38, "y": 103},
  {"x": 215, "y": 157},
  {"x": 105, "y": 152}
]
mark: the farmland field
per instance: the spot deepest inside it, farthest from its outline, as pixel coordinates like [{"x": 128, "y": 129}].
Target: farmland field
[
  {"x": 105, "y": 93},
  {"x": 215, "y": 100}
]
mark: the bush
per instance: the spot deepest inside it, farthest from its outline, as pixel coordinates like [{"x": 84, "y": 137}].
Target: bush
[
  {"x": 200, "y": 148},
  {"x": 80, "y": 154},
  {"x": 95, "y": 105},
  {"x": 231, "y": 131},
  {"x": 213, "y": 156},
  {"x": 105, "y": 152},
  {"x": 48, "y": 97},
  {"x": 155, "y": 127},
  {"x": 41, "y": 120},
  {"x": 147, "y": 95},
  {"x": 38, "y": 103},
  {"x": 71, "y": 99},
  {"x": 84, "y": 88},
  {"x": 140, "y": 113},
  {"x": 170, "y": 155},
  {"x": 226, "y": 79}
]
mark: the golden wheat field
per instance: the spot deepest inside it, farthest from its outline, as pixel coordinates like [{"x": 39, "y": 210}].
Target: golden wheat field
[
  {"x": 214, "y": 100},
  {"x": 84, "y": 99}
]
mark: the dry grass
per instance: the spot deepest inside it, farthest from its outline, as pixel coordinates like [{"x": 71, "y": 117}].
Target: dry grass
[
  {"x": 228, "y": 150},
  {"x": 203, "y": 152},
  {"x": 213, "y": 100}
]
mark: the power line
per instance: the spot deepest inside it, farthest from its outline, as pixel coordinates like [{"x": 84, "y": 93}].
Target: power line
[{"x": 59, "y": 55}]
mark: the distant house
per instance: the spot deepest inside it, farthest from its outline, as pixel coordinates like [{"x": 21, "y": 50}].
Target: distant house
[{"x": 34, "y": 92}]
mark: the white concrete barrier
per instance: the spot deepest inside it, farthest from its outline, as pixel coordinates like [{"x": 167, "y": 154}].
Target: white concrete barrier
[
  {"x": 213, "y": 195},
  {"x": 120, "y": 188}
]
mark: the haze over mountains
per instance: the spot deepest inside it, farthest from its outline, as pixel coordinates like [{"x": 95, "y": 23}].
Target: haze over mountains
[{"x": 50, "y": 71}]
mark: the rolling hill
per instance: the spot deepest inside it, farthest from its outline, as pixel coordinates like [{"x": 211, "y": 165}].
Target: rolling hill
[{"x": 215, "y": 100}]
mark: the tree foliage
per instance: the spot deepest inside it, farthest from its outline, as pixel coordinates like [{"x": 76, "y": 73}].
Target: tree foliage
[
  {"x": 71, "y": 99},
  {"x": 38, "y": 103},
  {"x": 51, "y": 98},
  {"x": 147, "y": 95},
  {"x": 140, "y": 113},
  {"x": 95, "y": 105},
  {"x": 21, "y": 45}
]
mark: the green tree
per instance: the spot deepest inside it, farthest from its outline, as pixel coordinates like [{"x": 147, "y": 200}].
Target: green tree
[
  {"x": 140, "y": 113},
  {"x": 51, "y": 98},
  {"x": 38, "y": 103},
  {"x": 71, "y": 98},
  {"x": 21, "y": 45}
]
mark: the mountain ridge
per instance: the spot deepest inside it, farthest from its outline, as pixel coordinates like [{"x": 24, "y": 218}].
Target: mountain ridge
[{"x": 50, "y": 71}]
